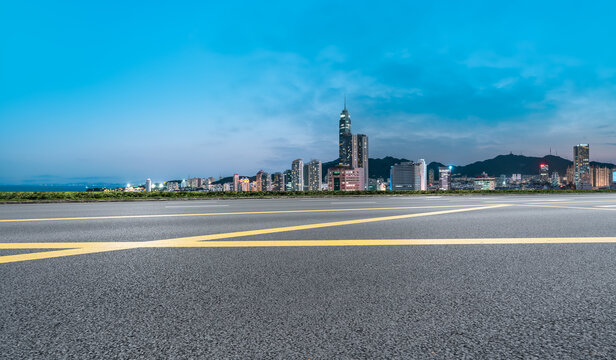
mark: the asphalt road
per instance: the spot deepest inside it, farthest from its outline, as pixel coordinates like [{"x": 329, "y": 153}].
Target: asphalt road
[{"x": 360, "y": 278}]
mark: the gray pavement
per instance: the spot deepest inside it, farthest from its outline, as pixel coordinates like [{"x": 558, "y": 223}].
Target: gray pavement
[{"x": 431, "y": 301}]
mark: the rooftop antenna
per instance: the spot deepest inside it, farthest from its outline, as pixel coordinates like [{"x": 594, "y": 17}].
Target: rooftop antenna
[{"x": 345, "y": 102}]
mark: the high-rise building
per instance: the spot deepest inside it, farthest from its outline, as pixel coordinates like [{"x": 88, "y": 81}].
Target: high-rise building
[
  {"x": 278, "y": 182},
  {"x": 345, "y": 178},
  {"x": 421, "y": 176},
  {"x": 259, "y": 180},
  {"x": 581, "y": 166},
  {"x": 361, "y": 144},
  {"x": 297, "y": 175},
  {"x": 544, "y": 170},
  {"x": 402, "y": 176},
  {"x": 444, "y": 178},
  {"x": 148, "y": 185},
  {"x": 236, "y": 182},
  {"x": 600, "y": 177},
  {"x": 431, "y": 177},
  {"x": 315, "y": 175},
  {"x": 263, "y": 181},
  {"x": 288, "y": 180},
  {"x": 345, "y": 139}
]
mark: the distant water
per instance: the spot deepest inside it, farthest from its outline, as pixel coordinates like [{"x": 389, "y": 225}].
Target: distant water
[{"x": 49, "y": 188}]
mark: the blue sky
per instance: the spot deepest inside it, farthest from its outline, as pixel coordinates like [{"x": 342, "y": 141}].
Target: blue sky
[{"x": 119, "y": 92}]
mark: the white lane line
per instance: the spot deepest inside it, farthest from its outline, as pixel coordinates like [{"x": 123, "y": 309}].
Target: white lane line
[
  {"x": 606, "y": 206},
  {"x": 193, "y": 206}
]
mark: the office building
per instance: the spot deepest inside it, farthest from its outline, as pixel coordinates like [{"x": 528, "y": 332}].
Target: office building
[
  {"x": 345, "y": 178},
  {"x": 314, "y": 175},
  {"x": 148, "y": 185},
  {"x": 600, "y": 177},
  {"x": 431, "y": 177},
  {"x": 402, "y": 176},
  {"x": 581, "y": 166},
  {"x": 361, "y": 146},
  {"x": 421, "y": 176},
  {"x": 345, "y": 139},
  {"x": 444, "y": 178},
  {"x": 297, "y": 175}
]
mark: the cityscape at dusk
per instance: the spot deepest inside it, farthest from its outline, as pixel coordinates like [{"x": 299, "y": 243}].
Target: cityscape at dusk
[{"x": 308, "y": 180}]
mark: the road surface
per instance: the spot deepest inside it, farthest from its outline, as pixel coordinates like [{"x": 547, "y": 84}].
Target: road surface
[{"x": 503, "y": 276}]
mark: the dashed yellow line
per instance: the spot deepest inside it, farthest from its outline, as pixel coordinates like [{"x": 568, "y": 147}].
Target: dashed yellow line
[
  {"x": 95, "y": 247},
  {"x": 233, "y": 213}
]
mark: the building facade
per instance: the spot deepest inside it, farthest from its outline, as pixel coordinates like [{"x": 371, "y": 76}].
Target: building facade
[
  {"x": 315, "y": 175},
  {"x": 581, "y": 166},
  {"x": 444, "y": 178},
  {"x": 297, "y": 175},
  {"x": 421, "y": 176},
  {"x": 345, "y": 178},
  {"x": 402, "y": 176},
  {"x": 278, "y": 182},
  {"x": 361, "y": 144}
]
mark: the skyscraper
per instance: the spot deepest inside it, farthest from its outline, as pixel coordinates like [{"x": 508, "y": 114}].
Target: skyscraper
[
  {"x": 315, "y": 175},
  {"x": 581, "y": 166},
  {"x": 421, "y": 175},
  {"x": 362, "y": 155},
  {"x": 345, "y": 139},
  {"x": 352, "y": 149},
  {"x": 148, "y": 185},
  {"x": 297, "y": 175}
]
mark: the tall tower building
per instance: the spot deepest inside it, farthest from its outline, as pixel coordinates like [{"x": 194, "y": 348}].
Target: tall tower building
[
  {"x": 581, "y": 166},
  {"x": 361, "y": 144},
  {"x": 421, "y": 176},
  {"x": 297, "y": 175},
  {"x": 236, "y": 182},
  {"x": 345, "y": 139},
  {"x": 315, "y": 175}
]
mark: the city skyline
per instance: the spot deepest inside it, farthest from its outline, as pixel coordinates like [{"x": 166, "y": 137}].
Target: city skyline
[{"x": 89, "y": 101}]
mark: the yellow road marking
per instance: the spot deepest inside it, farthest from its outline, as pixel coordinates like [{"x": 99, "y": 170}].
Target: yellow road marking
[
  {"x": 94, "y": 247},
  {"x": 300, "y": 243},
  {"x": 377, "y": 242},
  {"x": 232, "y": 213}
]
